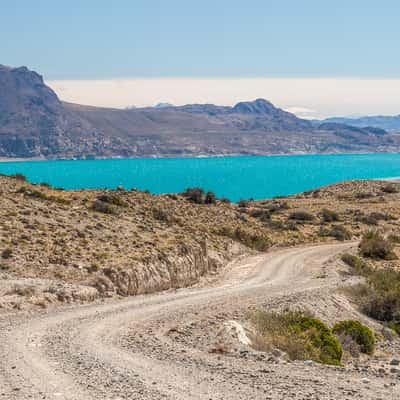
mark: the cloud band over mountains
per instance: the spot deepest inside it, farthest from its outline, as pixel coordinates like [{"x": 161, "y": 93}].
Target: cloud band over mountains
[{"x": 307, "y": 97}]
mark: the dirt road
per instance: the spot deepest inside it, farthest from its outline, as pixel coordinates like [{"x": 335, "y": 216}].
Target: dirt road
[{"x": 159, "y": 346}]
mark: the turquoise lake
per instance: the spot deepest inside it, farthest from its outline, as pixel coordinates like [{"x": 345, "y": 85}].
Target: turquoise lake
[{"x": 233, "y": 177}]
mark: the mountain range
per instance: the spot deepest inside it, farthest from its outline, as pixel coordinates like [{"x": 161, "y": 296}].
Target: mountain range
[
  {"x": 35, "y": 123},
  {"x": 390, "y": 123}
]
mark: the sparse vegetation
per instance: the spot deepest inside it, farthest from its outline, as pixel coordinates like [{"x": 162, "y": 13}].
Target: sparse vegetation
[
  {"x": 199, "y": 196},
  {"x": 358, "y": 265},
  {"x": 102, "y": 207},
  {"x": 339, "y": 232},
  {"x": 379, "y": 297},
  {"x": 329, "y": 215},
  {"x": 112, "y": 198},
  {"x": 37, "y": 194},
  {"x": 6, "y": 254},
  {"x": 373, "y": 245},
  {"x": 253, "y": 239},
  {"x": 243, "y": 203},
  {"x": 301, "y": 216},
  {"x": 390, "y": 189}
]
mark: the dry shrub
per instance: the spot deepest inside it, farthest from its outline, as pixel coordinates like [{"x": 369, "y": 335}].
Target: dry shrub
[
  {"x": 303, "y": 216},
  {"x": 373, "y": 245}
]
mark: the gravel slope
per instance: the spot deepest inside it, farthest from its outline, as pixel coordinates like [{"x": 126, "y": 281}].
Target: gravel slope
[{"x": 125, "y": 350}]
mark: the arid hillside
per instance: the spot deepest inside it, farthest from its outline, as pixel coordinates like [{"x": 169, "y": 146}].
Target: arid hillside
[{"x": 62, "y": 246}]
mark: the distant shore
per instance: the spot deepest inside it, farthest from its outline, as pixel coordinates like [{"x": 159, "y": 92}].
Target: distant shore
[{"x": 16, "y": 159}]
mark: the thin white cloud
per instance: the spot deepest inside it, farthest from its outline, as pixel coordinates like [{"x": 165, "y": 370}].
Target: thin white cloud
[
  {"x": 304, "y": 112},
  {"x": 307, "y": 97}
]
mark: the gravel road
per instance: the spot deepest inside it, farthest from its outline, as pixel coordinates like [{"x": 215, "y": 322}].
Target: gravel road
[{"x": 161, "y": 346}]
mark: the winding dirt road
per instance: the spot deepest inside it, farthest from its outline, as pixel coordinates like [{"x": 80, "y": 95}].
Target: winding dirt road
[{"x": 124, "y": 349}]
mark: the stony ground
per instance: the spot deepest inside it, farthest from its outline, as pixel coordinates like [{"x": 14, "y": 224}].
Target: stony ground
[{"x": 183, "y": 344}]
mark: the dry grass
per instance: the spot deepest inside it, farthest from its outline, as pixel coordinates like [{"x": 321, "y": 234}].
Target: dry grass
[{"x": 104, "y": 238}]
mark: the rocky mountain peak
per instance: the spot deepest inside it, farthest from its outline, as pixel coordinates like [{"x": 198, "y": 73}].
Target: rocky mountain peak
[{"x": 259, "y": 106}]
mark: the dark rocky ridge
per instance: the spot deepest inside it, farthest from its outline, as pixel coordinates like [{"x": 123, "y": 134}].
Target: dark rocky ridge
[
  {"x": 35, "y": 123},
  {"x": 390, "y": 123}
]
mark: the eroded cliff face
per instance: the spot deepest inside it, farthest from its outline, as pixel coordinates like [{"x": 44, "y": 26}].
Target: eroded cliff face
[{"x": 166, "y": 272}]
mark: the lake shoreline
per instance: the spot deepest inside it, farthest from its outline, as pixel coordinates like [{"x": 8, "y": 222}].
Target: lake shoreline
[{"x": 189, "y": 156}]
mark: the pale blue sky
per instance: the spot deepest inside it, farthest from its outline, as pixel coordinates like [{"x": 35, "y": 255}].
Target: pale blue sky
[{"x": 97, "y": 39}]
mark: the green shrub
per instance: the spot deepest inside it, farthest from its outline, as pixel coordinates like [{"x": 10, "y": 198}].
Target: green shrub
[
  {"x": 394, "y": 327},
  {"x": 300, "y": 336},
  {"x": 301, "y": 216},
  {"x": 373, "y": 245},
  {"x": 360, "y": 333}
]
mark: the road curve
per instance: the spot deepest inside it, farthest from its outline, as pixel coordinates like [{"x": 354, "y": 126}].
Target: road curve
[{"x": 119, "y": 350}]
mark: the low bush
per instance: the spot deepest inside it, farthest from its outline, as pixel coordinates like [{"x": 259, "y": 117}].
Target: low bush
[
  {"x": 278, "y": 206},
  {"x": 210, "y": 198},
  {"x": 358, "y": 332},
  {"x": 382, "y": 300},
  {"x": 6, "y": 254},
  {"x": 329, "y": 215},
  {"x": 302, "y": 337},
  {"x": 363, "y": 195},
  {"x": 112, "y": 198},
  {"x": 359, "y": 266},
  {"x": 301, "y": 216},
  {"x": 243, "y": 203},
  {"x": 195, "y": 195},
  {"x": 250, "y": 238},
  {"x": 261, "y": 214},
  {"x": 198, "y": 196},
  {"x": 374, "y": 217},
  {"x": 390, "y": 189},
  {"x": 37, "y": 194},
  {"x": 102, "y": 207},
  {"x": 379, "y": 297},
  {"x": 162, "y": 215},
  {"x": 374, "y": 246},
  {"x": 339, "y": 232}
]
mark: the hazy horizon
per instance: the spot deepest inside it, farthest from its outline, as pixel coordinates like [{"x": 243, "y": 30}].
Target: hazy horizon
[{"x": 305, "y": 97}]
